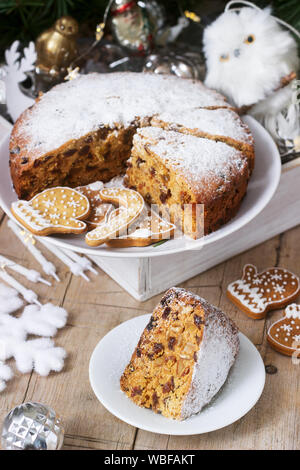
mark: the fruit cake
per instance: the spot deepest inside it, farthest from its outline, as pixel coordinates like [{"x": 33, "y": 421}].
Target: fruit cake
[
  {"x": 183, "y": 356},
  {"x": 81, "y": 131},
  {"x": 180, "y": 172}
]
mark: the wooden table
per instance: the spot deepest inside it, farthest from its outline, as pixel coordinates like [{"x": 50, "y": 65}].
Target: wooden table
[{"x": 97, "y": 307}]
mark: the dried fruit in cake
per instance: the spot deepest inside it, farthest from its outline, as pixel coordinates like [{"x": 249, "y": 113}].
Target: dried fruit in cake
[
  {"x": 257, "y": 293},
  {"x": 130, "y": 207},
  {"x": 284, "y": 334},
  {"x": 183, "y": 356},
  {"x": 55, "y": 210},
  {"x": 99, "y": 209},
  {"x": 147, "y": 230}
]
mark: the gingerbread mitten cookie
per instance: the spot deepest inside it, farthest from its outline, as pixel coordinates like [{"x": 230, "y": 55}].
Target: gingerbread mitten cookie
[
  {"x": 131, "y": 205},
  {"x": 257, "y": 293},
  {"x": 284, "y": 334},
  {"x": 55, "y": 210}
]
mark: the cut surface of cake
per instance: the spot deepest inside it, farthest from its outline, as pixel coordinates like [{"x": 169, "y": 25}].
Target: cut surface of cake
[
  {"x": 183, "y": 356},
  {"x": 178, "y": 172}
]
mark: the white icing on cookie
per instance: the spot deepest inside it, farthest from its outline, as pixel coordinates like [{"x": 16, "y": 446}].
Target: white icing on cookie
[
  {"x": 292, "y": 311},
  {"x": 285, "y": 332},
  {"x": 131, "y": 204},
  {"x": 53, "y": 210},
  {"x": 258, "y": 291}
]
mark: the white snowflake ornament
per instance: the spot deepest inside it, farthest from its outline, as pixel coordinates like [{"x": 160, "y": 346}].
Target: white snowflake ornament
[
  {"x": 38, "y": 354},
  {"x": 10, "y": 301}
]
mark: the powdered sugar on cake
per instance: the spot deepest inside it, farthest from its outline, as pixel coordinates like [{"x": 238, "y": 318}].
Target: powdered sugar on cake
[
  {"x": 73, "y": 109},
  {"x": 197, "y": 159},
  {"x": 217, "y": 122},
  {"x": 217, "y": 354}
]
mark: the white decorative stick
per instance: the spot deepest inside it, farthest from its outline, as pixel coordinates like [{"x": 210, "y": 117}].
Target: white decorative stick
[
  {"x": 85, "y": 263},
  {"x": 28, "y": 240},
  {"x": 30, "y": 274},
  {"x": 74, "y": 267},
  {"x": 28, "y": 294}
]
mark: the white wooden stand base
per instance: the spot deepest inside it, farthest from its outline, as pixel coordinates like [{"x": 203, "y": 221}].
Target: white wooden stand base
[{"x": 145, "y": 277}]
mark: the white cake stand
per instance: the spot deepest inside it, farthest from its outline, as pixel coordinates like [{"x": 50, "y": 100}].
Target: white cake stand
[{"x": 262, "y": 186}]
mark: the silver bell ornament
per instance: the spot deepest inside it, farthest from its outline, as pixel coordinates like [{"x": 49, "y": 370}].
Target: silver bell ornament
[{"x": 32, "y": 426}]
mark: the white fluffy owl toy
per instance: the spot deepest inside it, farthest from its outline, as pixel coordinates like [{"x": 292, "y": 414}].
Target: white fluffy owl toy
[{"x": 250, "y": 58}]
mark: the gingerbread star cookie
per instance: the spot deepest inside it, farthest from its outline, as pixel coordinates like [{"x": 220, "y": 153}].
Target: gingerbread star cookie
[
  {"x": 284, "y": 334},
  {"x": 147, "y": 230},
  {"x": 257, "y": 293},
  {"x": 54, "y": 210},
  {"x": 130, "y": 206},
  {"x": 99, "y": 209}
]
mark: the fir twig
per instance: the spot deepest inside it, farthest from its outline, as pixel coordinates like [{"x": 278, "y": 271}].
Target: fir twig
[
  {"x": 26, "y": 19},
  {"x": 159, "y": 243}
]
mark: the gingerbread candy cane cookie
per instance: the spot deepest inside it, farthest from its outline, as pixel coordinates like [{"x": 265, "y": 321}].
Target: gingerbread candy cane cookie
[
  {"x": 55, "y": 210},
  {"x": 146, "y": 231},
  {"x": 284, "y": 334},
  {"x": 257, "y": 293},
  {"x": 131, "y": 205}
]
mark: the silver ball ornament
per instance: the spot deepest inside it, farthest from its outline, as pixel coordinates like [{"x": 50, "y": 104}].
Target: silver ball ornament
[
  {"x": 187, "y": 65},
  {"x": 32, "y": 426}
]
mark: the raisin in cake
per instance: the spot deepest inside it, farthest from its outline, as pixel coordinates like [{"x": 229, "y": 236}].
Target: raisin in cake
[
  {"x": 179, "y": 172},
  {"x": 183, "y": 356}
]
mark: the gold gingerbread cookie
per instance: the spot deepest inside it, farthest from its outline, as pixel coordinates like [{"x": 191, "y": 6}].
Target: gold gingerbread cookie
[
  {"x": 54, "y": 210},
  {"x": 147, "y": 230},
  {"x": 284, "y": 334},
  {"x": 99, "y": 209},
  {"x": 257, "y": 293},
  {"x": 130, "y": 207}
]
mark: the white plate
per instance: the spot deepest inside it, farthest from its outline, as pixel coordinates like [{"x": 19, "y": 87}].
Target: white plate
[
  {"x": 261, "y": 188},
  {"x": 241, "y": 391}
]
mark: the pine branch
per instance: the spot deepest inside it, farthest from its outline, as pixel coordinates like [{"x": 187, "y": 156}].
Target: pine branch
[
  {"x": 26, "y": 19},
  {"x": 289, "y": 11}
]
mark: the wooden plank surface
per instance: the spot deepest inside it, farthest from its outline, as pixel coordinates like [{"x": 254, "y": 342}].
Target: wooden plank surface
[{"x": 97, "y": 307}]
